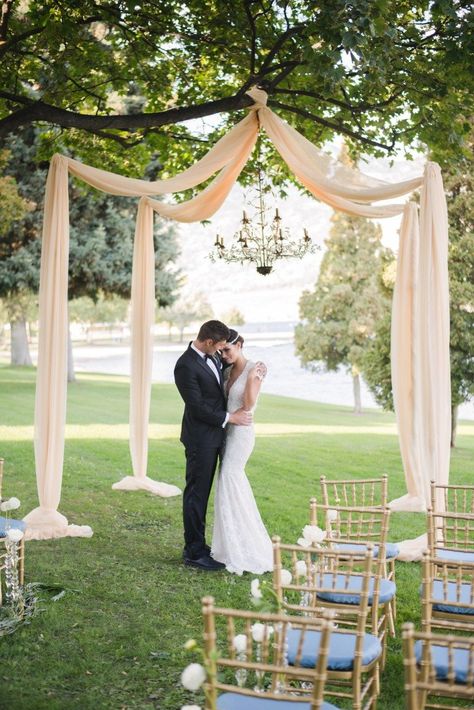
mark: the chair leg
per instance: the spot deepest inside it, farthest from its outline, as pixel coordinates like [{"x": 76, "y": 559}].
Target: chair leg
[
  {"x": 383, "y": 630},
  {"x": 22, "y": 562}
]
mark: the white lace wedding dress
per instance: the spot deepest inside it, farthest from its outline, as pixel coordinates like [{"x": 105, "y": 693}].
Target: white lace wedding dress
[{"x": 240, "y": 539}]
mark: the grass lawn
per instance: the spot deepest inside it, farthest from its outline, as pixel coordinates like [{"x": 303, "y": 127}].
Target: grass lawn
[{"x": 115, "y": 639}]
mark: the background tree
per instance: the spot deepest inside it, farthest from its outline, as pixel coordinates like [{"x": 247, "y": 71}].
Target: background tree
[
  {"x": 339, "y": 316},
  {"x": 233, "y": 317},
  {"x": 459, "y": 186},
  {"x": 20, "y": 250},
  {"x": 190, "y": 308},
  {"x": 376, "y": 72},
  {"x": 110, "y": 311},
  {"x": 12, "y": 205},
  {"x": 101, "y": 242}
]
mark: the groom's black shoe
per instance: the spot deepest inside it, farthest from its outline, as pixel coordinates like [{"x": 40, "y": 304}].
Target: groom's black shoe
[{"x": 205, "y": 563}]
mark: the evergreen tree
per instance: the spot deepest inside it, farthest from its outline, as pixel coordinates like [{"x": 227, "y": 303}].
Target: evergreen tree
[
  {"x": 339, "y": 316},
  {"x": 101, "y": 242}
]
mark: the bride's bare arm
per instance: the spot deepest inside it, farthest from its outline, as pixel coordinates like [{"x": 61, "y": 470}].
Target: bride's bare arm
[{"x": 254, "y": 382}]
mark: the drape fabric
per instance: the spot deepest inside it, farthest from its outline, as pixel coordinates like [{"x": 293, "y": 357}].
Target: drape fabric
[{"x": 420, "y": 331}]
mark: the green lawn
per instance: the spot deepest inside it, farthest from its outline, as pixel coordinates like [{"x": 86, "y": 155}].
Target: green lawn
[{"x": 117, "y": 641}]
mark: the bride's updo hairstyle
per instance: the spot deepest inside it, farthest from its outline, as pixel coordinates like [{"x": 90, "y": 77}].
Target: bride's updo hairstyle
[{"x": 234, "y": 338}]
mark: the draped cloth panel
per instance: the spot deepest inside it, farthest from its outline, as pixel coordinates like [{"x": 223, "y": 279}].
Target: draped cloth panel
[{"x": 341, "y": 187}]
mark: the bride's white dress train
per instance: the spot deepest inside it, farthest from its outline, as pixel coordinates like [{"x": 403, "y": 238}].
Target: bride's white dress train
[{"x": 240, "y": 539}]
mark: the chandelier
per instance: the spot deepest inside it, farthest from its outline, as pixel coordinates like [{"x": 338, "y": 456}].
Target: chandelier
[{"x": 264, "y": 240}]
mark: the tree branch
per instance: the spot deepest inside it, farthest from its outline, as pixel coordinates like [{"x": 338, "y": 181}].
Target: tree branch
[
  {"x": 253, "y": 34},
  {"x": 4, "y": 19},
  {"x": 339, "y": 128},
  {"x": 278, "y": 45},
  {"x": 359, "y": 108},
  {"x": 38, "y": 111}
]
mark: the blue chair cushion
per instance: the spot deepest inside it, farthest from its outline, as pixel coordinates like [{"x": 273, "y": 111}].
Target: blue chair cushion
[
  {"x": 439, "y": 659},
  {"x": 6, "y": 523},
  {"x": 391, "y": 549},
  {"x": 457, "y": 555},
  {"x": 341, "y": 649},
  {"x": 235, "y": 701},
  {"x": 387, "y": 590},
  {"x": 441, "y": 600}
]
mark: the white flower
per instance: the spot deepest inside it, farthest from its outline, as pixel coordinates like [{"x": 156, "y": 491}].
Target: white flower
[
  {"x": 14, "y": 534},
  {"x": 301, "y": 569},
  {"x": 259, "y": 631},
  {"x": 332, "y": 515},
  {"x": 302, "y": 542},
  {"x": 313, "y": 534},
  {"x": 240, "y": 643},
  {"x": 10, "y": 504},
  {"x": 285, "y": 577},
  {"x": 190, "y": 644},
  {"x": 193, "y": 676},
  {"x": 255, "y": 589}
]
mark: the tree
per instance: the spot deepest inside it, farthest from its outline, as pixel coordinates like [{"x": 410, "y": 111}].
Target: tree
[
  {"x": 12, "y": 205},
  {"x": 20, "y": 250},
  {"x": 190, "y": 308},
  {"x": 233, "y": 317},
  {"x": 339, "y": 316},
  {"x": 101, "y": 242},
  {"x": 376, "y": 72},
  {"x": 459, "y": 187}
]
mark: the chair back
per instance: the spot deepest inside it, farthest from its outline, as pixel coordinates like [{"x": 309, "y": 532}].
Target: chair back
[
  {"x": 245, "y": 654},
  {"x": 357, "y": 493},
  {"x": 437, "y": 665},
  {"x": 450, "y": 531},
  {"x": 452, "y": 499},
  {"x": 447, "y": 594},
  {"x": 306, "y": 580},
  {"x": 351, "y": 525}
]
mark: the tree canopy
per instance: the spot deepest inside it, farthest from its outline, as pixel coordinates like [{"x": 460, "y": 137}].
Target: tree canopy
[
  {"x": 340, "y": 315},
  {"x": 380, "y": 73}
]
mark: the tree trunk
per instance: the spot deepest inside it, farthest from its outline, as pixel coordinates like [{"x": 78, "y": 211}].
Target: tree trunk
[
  {"x": 454, "y": 424},
  {"x": 71, "y": 376},
  {"x": 20, "y": 351},
  {"x": 356, "y": 389}
]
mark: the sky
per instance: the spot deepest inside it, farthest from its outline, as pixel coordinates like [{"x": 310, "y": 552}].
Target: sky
[{"x": 273, "y": 297}]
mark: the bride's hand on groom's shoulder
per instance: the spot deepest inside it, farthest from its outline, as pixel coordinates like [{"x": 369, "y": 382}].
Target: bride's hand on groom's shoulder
[{"x": 260, "y": 370}]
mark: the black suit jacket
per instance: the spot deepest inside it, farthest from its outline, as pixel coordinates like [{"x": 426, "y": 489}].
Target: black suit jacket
[{"x": 204, "y": 401}]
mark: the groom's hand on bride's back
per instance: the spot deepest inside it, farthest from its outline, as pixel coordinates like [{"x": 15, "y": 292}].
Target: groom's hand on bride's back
[{"x": 241, "y": 417}]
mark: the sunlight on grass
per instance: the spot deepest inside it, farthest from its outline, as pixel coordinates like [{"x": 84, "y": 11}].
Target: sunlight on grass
[{"x": 172, "y": 431}]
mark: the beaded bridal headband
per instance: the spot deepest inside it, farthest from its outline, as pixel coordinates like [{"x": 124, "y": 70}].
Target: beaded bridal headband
[{"x": 232, "y": 342}]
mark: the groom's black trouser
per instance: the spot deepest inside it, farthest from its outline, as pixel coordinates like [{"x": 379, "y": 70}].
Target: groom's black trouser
[{"x": 201, "y": 463}]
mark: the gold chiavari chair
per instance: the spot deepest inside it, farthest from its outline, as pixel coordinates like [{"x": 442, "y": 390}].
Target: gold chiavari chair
[
  {"x": 451, "y": 535},
  {"x": 363, "y": 493},
  {"x": 355, "y": 493},
  {"x": 438, "y": 669},
  {"x": 351, "y": 529},
  {"x": 311, "y": 579},
  {"x": 452, "y": 499},
  {"x": 4, "y": 524},
  {"x": 447, "y": 595},
  {"x": 245, "y": 654}
]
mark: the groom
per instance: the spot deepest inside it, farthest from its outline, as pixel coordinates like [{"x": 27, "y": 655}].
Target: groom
[{"x": 198, "y": 377}]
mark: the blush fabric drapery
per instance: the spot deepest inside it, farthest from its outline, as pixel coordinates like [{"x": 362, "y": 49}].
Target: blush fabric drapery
[{"x": 420, "y": 333}]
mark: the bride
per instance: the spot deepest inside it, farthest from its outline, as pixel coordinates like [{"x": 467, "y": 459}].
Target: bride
[{"x": 239, "y": 539}]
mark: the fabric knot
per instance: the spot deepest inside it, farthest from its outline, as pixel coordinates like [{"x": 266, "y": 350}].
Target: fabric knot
[{"x": 259, "y": 96}]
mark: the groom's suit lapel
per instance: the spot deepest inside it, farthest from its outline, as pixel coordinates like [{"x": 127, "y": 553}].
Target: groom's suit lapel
[{"x": 202, "y": 363}]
